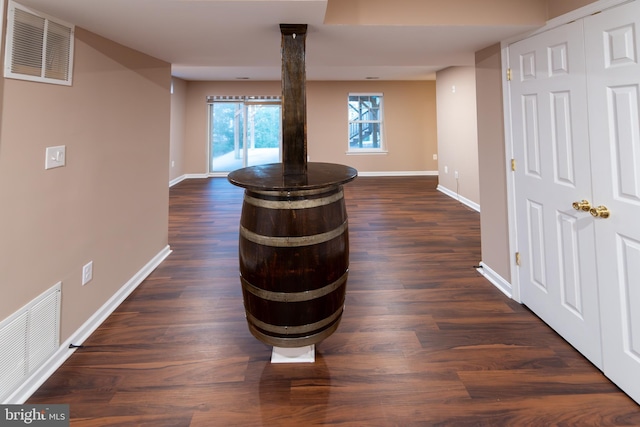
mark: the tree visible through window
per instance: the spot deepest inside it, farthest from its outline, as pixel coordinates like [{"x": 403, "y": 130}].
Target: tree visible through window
[
  {"x": 244, "y": 131},
  {"x": 365, "y": 122}
]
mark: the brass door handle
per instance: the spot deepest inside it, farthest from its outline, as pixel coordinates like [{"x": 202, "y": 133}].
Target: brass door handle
[
  {"x": 582, "y": 205},
  {"x": 600, "y": 212}
]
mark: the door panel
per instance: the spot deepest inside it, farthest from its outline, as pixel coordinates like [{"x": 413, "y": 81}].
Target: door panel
[
  {"x": 531, "y": 141},
  {"x": 227, "y": 136},
  {"x": 244, "y": 133},
  {"x": 570, "y": 265},
  {"x": 537, "y": 256},
  {"x": 614, "y": 99},
  {"x": 551, "y": 147},
  {"x": 561, "y": 137}
]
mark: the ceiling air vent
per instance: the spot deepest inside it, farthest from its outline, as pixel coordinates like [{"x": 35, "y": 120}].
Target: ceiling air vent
[{"x": 39, "y": 48}]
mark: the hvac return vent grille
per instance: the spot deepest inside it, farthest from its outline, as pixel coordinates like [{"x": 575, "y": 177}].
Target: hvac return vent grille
[
  {"x": 39, "y": 48},
  {"x": 28, "y": 338}
]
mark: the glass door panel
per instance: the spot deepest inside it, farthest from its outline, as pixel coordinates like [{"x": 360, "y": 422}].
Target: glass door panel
[
  {"x": 244, "y": 134},
  {"x": 227, "y": 136},
  {"x": 264, "y": 135}
]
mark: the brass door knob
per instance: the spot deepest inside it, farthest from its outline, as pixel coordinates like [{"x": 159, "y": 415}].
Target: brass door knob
[
  {"x": 582, "y": 205},
  {"x": 600, "y": 212}
]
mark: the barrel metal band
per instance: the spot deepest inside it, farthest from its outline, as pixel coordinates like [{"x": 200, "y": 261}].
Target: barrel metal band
[
  {"x": 294, "y": 193},
  {"x": 302, "y": 329},
  {"x": 293, "y": 296},
  {"x": 293, "y": 342},
  {"x": 293, "y": 241},
  {"x": 294, "y": 204}
]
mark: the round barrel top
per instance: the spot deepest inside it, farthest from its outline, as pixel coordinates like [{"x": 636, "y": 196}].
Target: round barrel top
[{"x": 270, "y": 177}]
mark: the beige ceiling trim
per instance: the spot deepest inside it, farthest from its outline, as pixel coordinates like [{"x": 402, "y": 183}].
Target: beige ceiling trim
[{"x": 436, "y": 12}]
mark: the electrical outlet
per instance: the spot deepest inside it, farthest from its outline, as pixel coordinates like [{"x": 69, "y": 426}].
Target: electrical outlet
[
  {"x": 455, "y": 174},
  {"x": 435, "y": 157},
  {"x": 87, "y": 273},
  {"x": 173, "y": 163},
  {"x": 446, "y": 169}
]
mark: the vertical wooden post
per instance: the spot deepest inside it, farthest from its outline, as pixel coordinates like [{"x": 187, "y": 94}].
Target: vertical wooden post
[
  {"x": 311, "y": 268},
  {"x": 294, "y": 103}
]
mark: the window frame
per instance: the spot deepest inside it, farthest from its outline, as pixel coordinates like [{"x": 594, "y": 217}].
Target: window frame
[
  {"x": 382, "y": 148},
  {"x": 246, "y": 102}
]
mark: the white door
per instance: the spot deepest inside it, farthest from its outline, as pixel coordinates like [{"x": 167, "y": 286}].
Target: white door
[
  {"x": 551, "y": 147},
  {"x": 613, "y": 43}
]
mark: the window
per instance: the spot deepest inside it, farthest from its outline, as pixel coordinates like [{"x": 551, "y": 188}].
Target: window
[
  {"x": 244, "y": 131},
  {"x": 38, "y": 47},
  {"x": 365, "y": 123}
]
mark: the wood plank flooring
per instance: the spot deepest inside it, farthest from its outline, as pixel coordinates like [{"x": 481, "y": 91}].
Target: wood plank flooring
[{"x": 424, "y": 340}]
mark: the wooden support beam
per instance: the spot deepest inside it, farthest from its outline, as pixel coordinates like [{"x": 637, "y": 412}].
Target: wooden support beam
[{"x": 294, "y": 104}]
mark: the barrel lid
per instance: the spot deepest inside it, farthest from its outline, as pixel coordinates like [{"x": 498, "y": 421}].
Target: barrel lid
[{"x": 271, "y": 177}]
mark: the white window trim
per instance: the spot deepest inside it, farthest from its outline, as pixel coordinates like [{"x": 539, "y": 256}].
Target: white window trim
[
  {"x": 383, "y": 146},
  {"x": 366, "y": 151}
]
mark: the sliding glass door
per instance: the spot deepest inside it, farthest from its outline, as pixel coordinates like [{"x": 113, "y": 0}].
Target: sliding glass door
[{"x": 244, "y": 131}]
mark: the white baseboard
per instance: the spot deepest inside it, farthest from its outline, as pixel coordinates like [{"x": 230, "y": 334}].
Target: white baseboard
[
  {"x": 35, "y": 380},
  {"x": 177, "y": 180},
  {"x": 473, "y": 205},
  {"x": 497, "y": 280},
  {"x": 399, "y": 173},
  {"x": 198, "y": 175},
  {"x": 189, "y": 176}
]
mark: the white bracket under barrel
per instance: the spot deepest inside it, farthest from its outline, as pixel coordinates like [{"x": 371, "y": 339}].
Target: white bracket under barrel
[{"x": 305, "y": 354}]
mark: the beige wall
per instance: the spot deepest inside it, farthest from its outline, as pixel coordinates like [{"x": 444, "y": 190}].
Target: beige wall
[
  {"x": 492, "y": 162},
  {"x": 410, "y": 128},
  {"x": 457, "y": 131},
  {"x": 410, "y": 122},
  {"x": 452, "y": 12},
  {"x": 437, "y": 12},
  {"x": 556, "y": 8},
  {"x": 178, "y": 130},
  {"x": 109, "y": 203}
]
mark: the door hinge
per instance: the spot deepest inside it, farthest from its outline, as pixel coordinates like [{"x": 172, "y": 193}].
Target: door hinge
[
  {"x": 518, "y": 258},
  {"x": 508, "y": 74},
  {"x": 513, "y": 165}
]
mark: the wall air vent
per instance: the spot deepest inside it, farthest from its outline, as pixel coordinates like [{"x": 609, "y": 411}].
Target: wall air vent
[
  {"x": 38, "y": 47},
  {"x": 28, "y": 338}
]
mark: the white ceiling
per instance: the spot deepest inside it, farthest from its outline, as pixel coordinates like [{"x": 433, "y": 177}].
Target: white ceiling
[{"x": 231, "y": 39}]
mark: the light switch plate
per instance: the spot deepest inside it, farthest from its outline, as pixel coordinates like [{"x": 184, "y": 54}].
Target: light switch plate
[{"x": 55, "y": 157}]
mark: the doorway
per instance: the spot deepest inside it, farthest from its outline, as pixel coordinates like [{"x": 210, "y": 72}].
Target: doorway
[{"x": 244, "y": 131}]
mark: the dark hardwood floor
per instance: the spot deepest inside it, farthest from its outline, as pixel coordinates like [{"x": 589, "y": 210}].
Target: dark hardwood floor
[{"x": 424, "y": 340}]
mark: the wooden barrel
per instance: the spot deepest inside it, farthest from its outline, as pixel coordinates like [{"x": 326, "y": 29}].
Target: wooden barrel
[{"x": 294, "y": 262}]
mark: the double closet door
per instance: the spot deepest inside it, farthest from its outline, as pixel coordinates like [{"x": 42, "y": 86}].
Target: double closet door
[{"x": 575, "y": 97}]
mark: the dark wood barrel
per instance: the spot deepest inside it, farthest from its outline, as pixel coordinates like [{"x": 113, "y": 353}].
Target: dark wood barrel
[{"x": 294, "y": 262}]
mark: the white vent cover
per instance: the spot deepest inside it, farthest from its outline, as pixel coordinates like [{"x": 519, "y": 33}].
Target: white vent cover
[
  {"x": 39, "y": 48},
  {"x": 13, "y": 363},
  {"x": 28, "y": 338}
]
